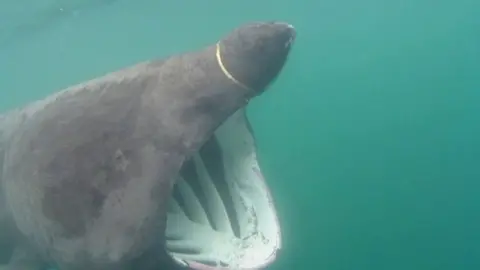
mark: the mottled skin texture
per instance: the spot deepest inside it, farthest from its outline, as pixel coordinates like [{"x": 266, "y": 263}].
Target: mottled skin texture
[{"x": 87, "y": 172}]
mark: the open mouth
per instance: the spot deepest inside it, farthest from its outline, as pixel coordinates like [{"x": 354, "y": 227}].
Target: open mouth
[{"x": 221, "y": 213}]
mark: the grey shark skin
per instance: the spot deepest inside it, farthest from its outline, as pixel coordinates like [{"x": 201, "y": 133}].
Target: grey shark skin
[{"x": 87, "y": 171}]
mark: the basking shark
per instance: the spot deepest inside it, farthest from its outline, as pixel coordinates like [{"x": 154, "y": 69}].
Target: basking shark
[{"x": 150, "y": 167}]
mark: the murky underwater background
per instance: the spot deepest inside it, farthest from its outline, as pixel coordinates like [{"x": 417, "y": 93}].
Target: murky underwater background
[{"x": 370, "y": 138}]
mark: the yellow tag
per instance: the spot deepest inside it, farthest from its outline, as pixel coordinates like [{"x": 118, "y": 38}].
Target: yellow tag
[{"x": 225, "y": 71}]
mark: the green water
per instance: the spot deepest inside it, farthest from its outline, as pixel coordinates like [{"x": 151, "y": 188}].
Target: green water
[{"x": 370, "y": 139}]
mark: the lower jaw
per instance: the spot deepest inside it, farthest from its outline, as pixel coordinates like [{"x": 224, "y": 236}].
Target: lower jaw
[{"x": 221, "y": 213}]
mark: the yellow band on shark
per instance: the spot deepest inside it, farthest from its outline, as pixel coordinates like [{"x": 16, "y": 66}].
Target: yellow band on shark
[{"x": 225, "y": 71}]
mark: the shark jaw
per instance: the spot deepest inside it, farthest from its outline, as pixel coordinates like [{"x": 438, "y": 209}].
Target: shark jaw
[{"x": 221, "y": 214}]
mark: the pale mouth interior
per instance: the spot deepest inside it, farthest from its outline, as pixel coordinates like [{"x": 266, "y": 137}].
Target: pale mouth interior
[{"x": 221, "y": 213}]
